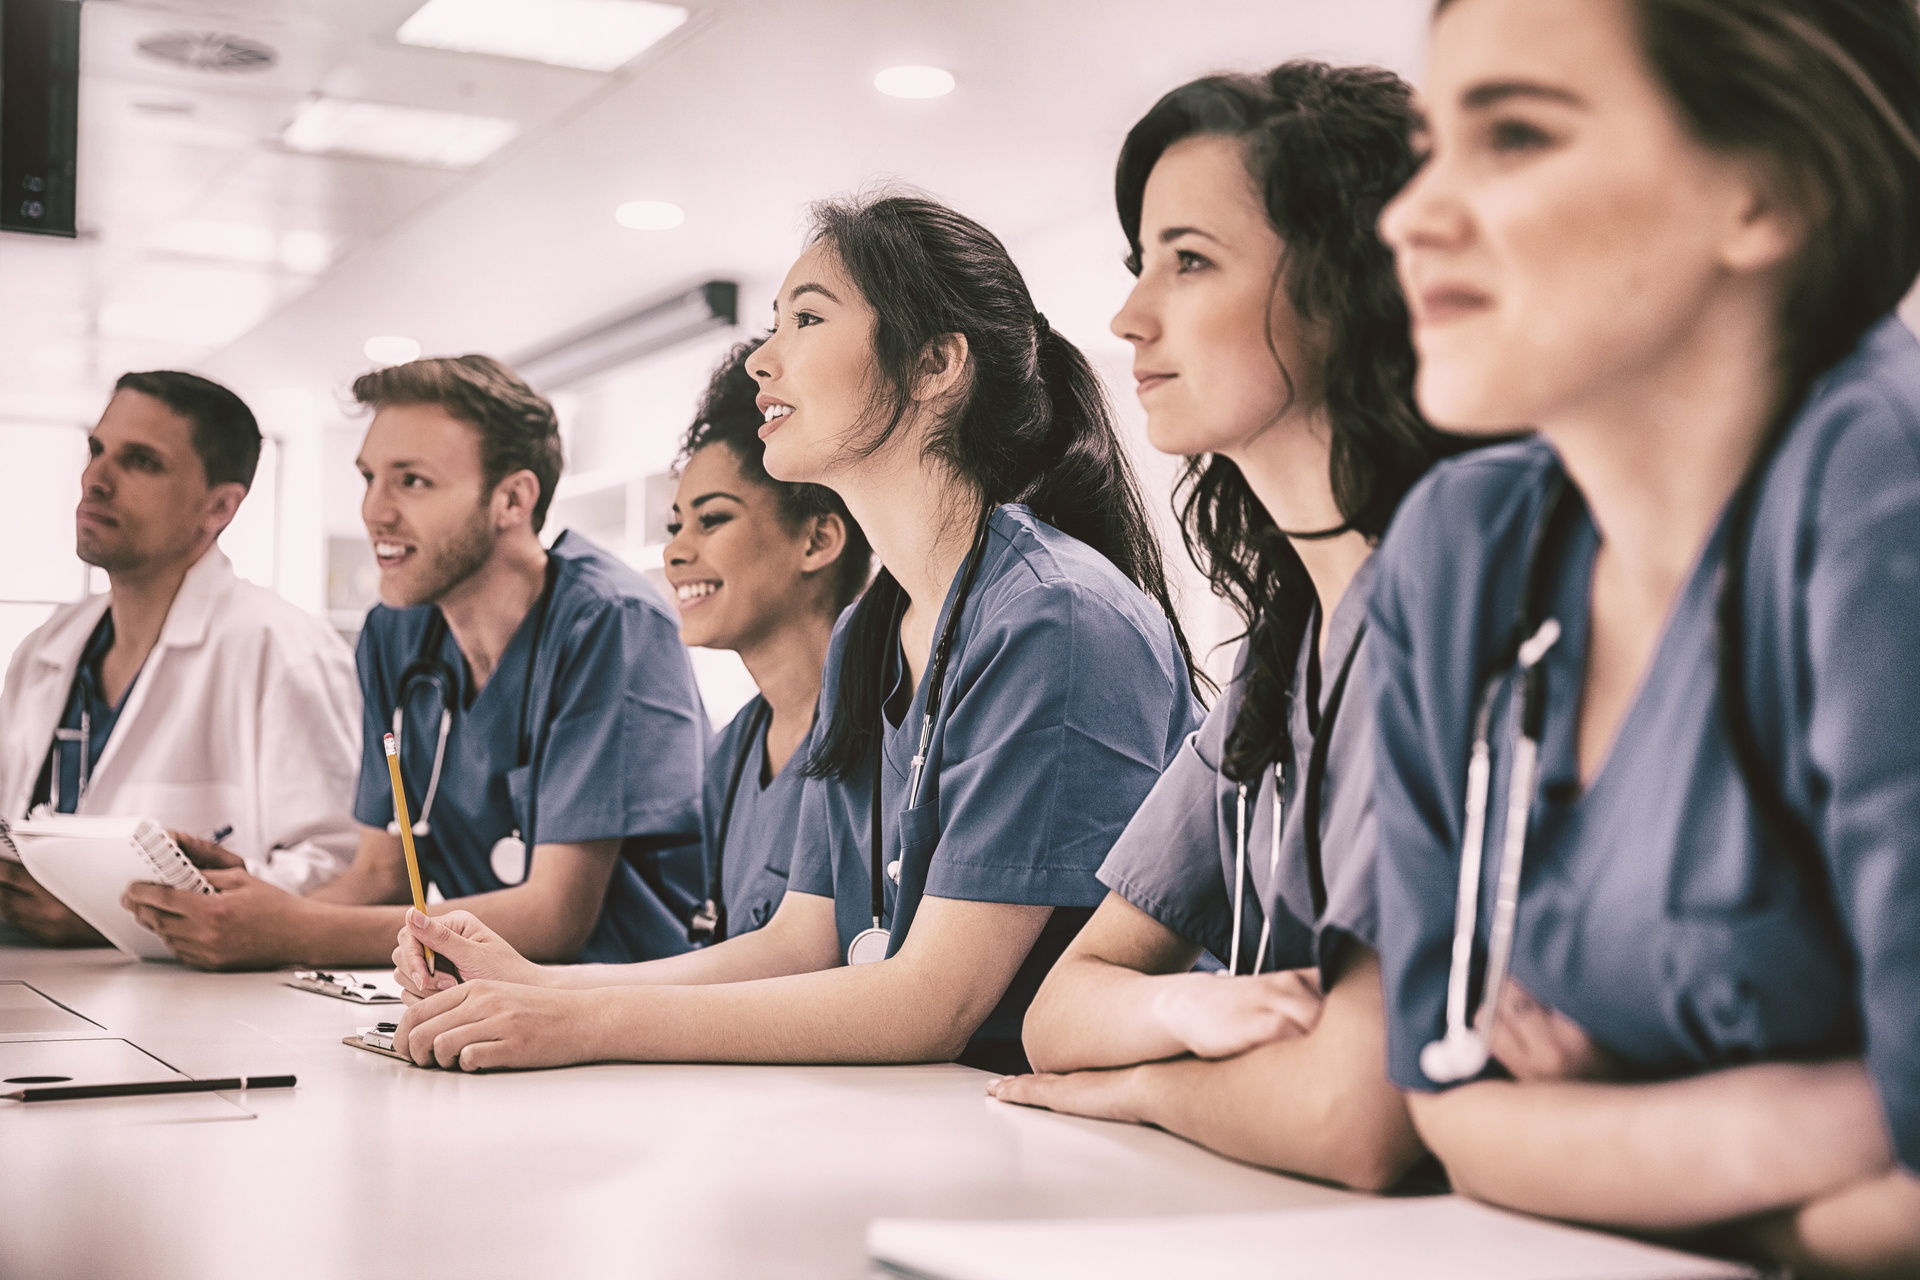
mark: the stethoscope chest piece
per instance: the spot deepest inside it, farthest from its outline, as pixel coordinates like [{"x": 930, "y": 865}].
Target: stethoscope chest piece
[
  {"x": 509, "y": 859},
  {"x": 869, "y": 946}
]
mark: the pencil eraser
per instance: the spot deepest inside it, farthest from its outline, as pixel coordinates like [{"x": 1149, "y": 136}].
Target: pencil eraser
[{"x": 392, "y": 750}]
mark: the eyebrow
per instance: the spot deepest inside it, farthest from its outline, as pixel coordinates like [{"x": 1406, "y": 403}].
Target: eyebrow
[
  {"x": 1493, "y": 93},
  {"x": 1174, "y": 233},
  {"x": 717, "y": 493},
  {"x": 811, "y": 287}
]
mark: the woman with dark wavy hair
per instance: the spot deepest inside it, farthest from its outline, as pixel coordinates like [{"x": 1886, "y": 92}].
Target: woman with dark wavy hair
[
  {"x": 994, "y": 709},
  {"x": 1271, "y": 349}
]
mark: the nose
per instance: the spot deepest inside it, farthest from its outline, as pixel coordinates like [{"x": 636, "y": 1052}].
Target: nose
[
  {"x": 760, "y": 365},
  {"x": 1136, "y": 320},
  {"x": 1425, "y": 213},
  {"x": 376, "y": 509},
  {"x": 96, "y": 478},
  {"x": 680, "y": 551}
]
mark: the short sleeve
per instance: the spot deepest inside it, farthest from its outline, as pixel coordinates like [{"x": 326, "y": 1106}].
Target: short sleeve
[
  {"x": 1863, "y": 639},
  {"x": 1061, "y": 723},
  {"x": 811, "y": 869},
  {"x": 623, "y": 749},
  {"x": 1167, "y": 860}
]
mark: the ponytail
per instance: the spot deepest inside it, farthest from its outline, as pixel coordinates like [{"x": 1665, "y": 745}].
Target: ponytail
[{"x": 1033, "y": 427}]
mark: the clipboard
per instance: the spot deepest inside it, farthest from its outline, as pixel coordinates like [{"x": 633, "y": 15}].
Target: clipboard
[
  {"x": 369, "y": 1038},
  {"x": 354, "y": 988}
]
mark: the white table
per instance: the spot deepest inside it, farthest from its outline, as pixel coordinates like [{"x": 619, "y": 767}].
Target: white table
[{"x": 372, "y": 1168}]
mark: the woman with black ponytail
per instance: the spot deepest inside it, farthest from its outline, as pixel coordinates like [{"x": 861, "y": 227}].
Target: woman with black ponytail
[
  {"x": 1271, "y": 349},
  {"x": 1012, "y": 680}
]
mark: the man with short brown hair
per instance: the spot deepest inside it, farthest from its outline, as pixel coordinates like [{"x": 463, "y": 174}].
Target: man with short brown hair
[{"x": 550, "y": 732}]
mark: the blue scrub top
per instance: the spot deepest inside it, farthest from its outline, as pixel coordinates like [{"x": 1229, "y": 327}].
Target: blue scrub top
[
  {"x": 1066, "y": 696},
  {"x": 1657, "y": 909},
  {"x": 753, "y": 866},
  {"x": 617, "y": 736},
  {"x": 1176, "y": 859}
]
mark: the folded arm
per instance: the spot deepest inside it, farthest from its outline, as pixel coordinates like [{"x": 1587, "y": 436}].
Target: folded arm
[
  {"x": 1317, "y": 1103},
  {"x": 1672, "y": 1156}
]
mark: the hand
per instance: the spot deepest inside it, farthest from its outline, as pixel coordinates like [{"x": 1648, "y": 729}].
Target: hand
[
  {"x": 1218, "y": 1017},
  {"x": 485, "y": 1026},
  {"x": 38, "y": 914},
  {"x": 205, "y": 854},
  {"x": 460, "y": 939},
  {"x": 1103, "y": 1095},
  {"x": 247, "y": 924},
  {"x": 1537, "y": 1043}
]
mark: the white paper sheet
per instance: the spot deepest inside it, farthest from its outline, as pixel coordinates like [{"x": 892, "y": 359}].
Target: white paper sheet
[{"x": 1437, "y": 1238}]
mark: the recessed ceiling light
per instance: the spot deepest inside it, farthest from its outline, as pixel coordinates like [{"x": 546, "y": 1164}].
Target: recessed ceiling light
[
  {"x": 914, "y": 82},
  {"x": 391, "y": 349},
  {"x": 649, "y": 215},
  {"x": 444, "y": 139},
  {"x": 593, "y": 35}
]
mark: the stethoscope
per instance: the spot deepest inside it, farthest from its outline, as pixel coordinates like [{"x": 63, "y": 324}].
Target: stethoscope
[
  {"x": 509, "y": 854},
  {"x": 870, "y": 944},
  {"x": 709, "y": 922},
  {"x": 1465, "y": 1049},
  {"x": 1315, "y": 784}
]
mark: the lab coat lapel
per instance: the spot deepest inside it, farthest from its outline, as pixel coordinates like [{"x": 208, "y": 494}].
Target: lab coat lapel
[
  {"x": 46, "y": 676},
  {"x": 188, "y": 621}
]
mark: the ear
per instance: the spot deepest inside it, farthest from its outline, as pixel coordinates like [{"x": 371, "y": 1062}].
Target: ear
[
  {"x": 943, "y": 368},
  {"x": 223, "y": 503},
  {"x": 826, "y": 540},
  {"x": 513, "y": 500},
  {"x": 1766, "y": 230}
]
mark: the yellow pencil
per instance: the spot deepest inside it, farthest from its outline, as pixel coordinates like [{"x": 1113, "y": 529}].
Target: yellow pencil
[{"x": 406, "y": 835}]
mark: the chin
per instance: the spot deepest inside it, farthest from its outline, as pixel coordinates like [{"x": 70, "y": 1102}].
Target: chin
[{"x": 1468, "y": 400}]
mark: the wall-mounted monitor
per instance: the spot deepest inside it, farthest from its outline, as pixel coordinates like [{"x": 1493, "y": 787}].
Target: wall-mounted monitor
[{"x": 39, "y": 114}]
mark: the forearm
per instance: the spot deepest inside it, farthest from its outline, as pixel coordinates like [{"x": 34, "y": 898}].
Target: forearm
[
  {"x": 1290, "y": 1105},
  {"x": 764, "y": 953},
  {"x": 1870, "y": 1229},
  {"x": 1678, "y": 1155},
  {"x": 539, "y": 920},
  {"x": 874, "y": 1013},
  {"x": 1092, "y": 1013}
]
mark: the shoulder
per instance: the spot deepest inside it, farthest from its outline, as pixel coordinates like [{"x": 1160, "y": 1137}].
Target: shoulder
[
  {"x": 593, "y": 584},
  {"x": 1046, "y": 580},
  {"x": 1854, "y": 446},
  {"x": 1459, "y": 520},
  {"x": 256, "y": 618}
]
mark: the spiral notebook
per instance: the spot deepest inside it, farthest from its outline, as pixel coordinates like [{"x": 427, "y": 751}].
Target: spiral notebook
[{"x": 88, "y": 862}]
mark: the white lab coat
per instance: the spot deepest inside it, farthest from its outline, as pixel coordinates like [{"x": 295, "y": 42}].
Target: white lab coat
[{"x": 247, "y": 714}]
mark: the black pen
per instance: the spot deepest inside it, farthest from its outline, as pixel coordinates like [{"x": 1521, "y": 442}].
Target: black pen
[{"x": 59, "y": 1092}]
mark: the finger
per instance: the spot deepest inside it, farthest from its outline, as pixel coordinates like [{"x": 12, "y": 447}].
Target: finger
[
  {"x": 141, "y": 893},
  {"x": 427, "y": 1019},
  {"x": 448, "y": 1045},
  {"x": 486, "y": 1055},
  {"x": 437, "y": 935},
  {"x": 205, "y": 854},
  {"x": 227, "y": 878},
  {"x": 409, "y": 960}
]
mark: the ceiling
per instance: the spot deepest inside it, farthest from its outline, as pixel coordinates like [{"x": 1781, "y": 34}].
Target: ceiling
[{"x": 749, "y": 111}]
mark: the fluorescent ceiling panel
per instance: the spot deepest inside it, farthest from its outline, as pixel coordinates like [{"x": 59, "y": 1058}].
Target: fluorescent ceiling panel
[
  {"x": 593, "y": 35},
  {"x": 443, "y": 139}
]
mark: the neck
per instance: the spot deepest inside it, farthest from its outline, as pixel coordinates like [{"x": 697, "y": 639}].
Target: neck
[
  {"x": 485, "y": 610},
  {"x": 786, "y": 665},
  {"x": 1288, "y": 467},
  {"x": 1658, "y": 456},
  {"x": 140, "y": 601},
  {"x": 920, "y": 520}
]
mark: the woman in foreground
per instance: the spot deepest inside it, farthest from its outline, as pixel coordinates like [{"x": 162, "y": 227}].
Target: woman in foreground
[{"x": 1664, "y": 653}]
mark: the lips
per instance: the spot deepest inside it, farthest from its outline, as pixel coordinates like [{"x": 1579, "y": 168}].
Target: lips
[
  {"x": 774, "y": 410},
  {"x": 1443, "y": 303},
  {"x": 387, "y": 553},
  {"x": 95, "y": 515},
  {"x": 1149, "y": 382},
  {"x": 691, "y": 595}
]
